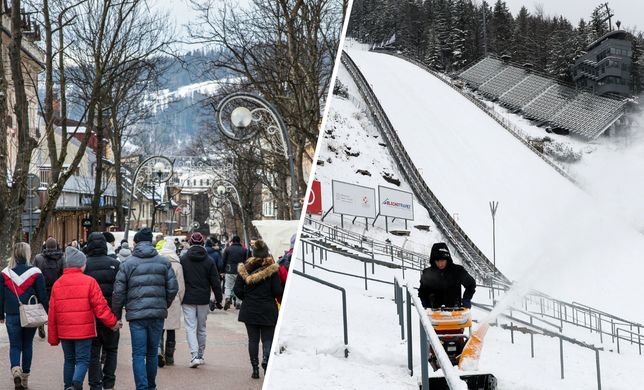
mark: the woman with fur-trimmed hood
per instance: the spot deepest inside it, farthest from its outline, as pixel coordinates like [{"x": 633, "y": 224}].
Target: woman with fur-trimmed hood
[{"x": 258, "y": 285}]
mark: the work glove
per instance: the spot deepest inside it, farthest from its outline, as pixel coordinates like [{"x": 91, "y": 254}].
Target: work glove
[{"x": 467, "y": 303}]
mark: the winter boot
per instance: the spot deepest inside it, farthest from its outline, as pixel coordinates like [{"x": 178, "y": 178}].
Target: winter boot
[
  {"x": 41, "y": 332},
  {"x": 254, "y": 361},
  {"x": 161, "y": 357},
  {"x": 25, "y": 380},
  {"x": 264, "y": 364},
  {"x": 169, "y": 352},
  {"x": 16, "y": 372},
  {"x": 227, "y": 304}
]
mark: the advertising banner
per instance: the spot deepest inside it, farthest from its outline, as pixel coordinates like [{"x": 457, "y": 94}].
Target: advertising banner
[
  {"x": 315, "y": 199},
  {"x": 352, "y": 199},
  {"x": 396, "y": 203}
]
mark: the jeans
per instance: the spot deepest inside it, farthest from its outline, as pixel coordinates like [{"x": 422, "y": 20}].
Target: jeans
[
  {"x": 195, "y": 317},
  {"x": 255, "y": 332},
  {"x": 106, "y": 342},
  {"x": 229, "y": 282},
  {"x": 145, "y": 336},
  {"x": 21, "y": 342},
  {"x": 77, "y": 353}
]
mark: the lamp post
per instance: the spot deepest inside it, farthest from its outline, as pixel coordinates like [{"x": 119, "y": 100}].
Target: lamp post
[
  {"x": 156, "y": 168},
  {"x": 222, "y": 188},
  {"x": 493, "y": 207},
  {"x": 242, "y": 115}
]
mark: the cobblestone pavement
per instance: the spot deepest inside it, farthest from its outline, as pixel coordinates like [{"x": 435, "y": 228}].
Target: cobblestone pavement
[{"x": 227, "y": 364}]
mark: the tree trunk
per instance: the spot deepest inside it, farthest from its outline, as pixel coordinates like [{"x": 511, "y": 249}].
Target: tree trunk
[{"x": 98, "y": 183}]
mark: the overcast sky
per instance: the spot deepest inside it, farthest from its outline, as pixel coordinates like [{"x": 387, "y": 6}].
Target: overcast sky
[{"x": 629, "y": 12}]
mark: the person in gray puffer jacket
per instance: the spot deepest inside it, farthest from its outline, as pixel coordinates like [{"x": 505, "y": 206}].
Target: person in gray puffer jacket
[{"x": 146, "y": 286}]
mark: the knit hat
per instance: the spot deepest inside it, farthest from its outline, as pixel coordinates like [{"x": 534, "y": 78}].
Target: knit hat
[
  {"x": 440, "y": 251},
  {"x": 74, "y": 258},
  {"x": 51, "y": 243},
  {"x": 144, "y": 234},
  {"x": 125, "y": 245},
  {"x": 196, "y": 239},
  {"x": 260, "y": 249},
  {"x": 109, "y": 237}
]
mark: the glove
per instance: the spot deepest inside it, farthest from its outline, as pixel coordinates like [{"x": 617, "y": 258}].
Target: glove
[{"x": 467, "y": 303}]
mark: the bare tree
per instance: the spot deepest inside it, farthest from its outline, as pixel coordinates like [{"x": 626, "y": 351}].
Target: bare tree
[
  {"x": 13, "y": 178},
  {"x": 282, "y": 49}
]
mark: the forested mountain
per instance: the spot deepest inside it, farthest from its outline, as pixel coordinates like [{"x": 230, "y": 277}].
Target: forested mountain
[{"x": 451, "y": 34}]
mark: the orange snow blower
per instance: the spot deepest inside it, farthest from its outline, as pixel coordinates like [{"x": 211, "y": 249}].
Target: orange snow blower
[{"x": 464, "y": 351}]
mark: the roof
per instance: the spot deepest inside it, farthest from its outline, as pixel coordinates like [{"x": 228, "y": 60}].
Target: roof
[{"x": 617, "y": 34}]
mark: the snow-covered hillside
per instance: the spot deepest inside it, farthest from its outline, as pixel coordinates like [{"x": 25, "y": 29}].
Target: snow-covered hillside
[
  {"x": 547, "y": 228},
  {"x": 310, "y": 330}
]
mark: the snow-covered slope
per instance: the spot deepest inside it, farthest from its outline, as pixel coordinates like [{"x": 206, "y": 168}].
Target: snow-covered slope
[{"x": 547, "y": 228}]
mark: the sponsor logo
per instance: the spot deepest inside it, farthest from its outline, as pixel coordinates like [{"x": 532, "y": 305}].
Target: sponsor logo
[{"x": 399, "y": 205}]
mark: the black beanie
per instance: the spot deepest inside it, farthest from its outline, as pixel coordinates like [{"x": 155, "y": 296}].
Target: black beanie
[
  {"x": 109, "y": 237},
  {"x": 144, "y": 234},
  {"x": 439, "y": 251}
]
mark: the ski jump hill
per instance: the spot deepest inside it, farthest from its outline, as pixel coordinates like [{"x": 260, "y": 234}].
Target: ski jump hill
[{"x": 550, "y": 234}]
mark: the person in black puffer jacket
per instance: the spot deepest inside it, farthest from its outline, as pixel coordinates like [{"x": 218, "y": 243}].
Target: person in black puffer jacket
[
  {"x": 104, "y": 269},
  {"x": 440, "y": 284},
  {"x": 146, "y": 286},
  {"x": 258, "y": 286},
  {"x": 200, "y": 276},
  {"x": 50, "y": 263},
  {"x": 234, "y": 255}
]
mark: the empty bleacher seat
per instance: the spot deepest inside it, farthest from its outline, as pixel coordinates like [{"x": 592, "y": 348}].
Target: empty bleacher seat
[
  {"x": 522, "y": 93},
  {"x": 480, "y": 72},
  {"x": 546, "y": 105},
  {"x": 502, "y": 81},
  {"x": 589, "y": 115}
]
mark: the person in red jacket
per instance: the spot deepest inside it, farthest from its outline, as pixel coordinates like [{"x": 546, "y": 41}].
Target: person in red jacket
[{"x": 76, "y": 301}]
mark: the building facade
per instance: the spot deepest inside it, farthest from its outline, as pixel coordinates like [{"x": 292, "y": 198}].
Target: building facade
[{"x": 605, "y": 68}]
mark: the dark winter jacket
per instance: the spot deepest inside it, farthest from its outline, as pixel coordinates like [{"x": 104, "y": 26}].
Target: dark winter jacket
[
  {"x": 145, "y": 285},
  {"x": 50, "y": 263},
  {"x": 200, "y": 276},
  {"x": 215, "y": 256},
  {"x": 100, "y": 265},
  {"x": 234, "y": 255},
  {"x": 443, "y": 287},
  {"x": 258, "y": 285},
  {"x": 27, "y": 281}
]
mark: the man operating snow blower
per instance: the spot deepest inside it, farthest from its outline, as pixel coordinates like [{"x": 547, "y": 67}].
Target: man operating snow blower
[
  {"x": 440, "y": 284},
  {"x": 440, "y": 294}
]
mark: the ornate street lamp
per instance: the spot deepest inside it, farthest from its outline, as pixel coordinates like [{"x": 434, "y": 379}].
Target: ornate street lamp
[
  {"x": 158, "y": 169},
  {"x": 241, "y": 116},
  {"x": 222, "y": 188}
]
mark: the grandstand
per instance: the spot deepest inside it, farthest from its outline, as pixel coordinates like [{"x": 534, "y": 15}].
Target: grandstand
[{"x": 543, "y": 99}]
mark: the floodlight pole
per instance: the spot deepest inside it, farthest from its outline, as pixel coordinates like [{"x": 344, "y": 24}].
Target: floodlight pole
[
  {"x": 229, "y": 186},
  {"x": 493, "y": 207}
]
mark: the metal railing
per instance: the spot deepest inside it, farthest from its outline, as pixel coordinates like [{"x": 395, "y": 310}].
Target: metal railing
[
  {"x": 366, "y": 245},
  {"x": 344, "y": 306},
  {"x": 428, "y": 337},
  {"x": 311, "y": 247},
  {"x": 403, "y": 298}
]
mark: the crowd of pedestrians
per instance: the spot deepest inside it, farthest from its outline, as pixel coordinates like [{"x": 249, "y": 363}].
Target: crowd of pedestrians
[{"x": 85, "y": 286}]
